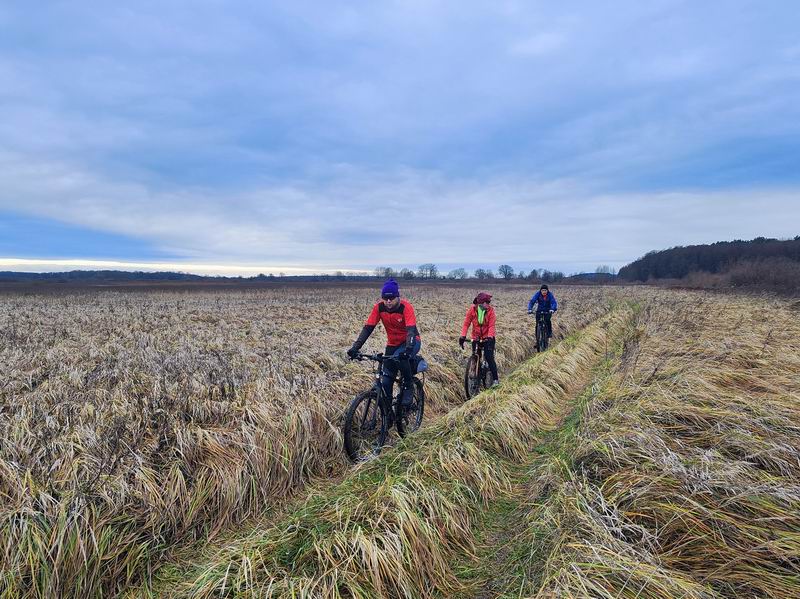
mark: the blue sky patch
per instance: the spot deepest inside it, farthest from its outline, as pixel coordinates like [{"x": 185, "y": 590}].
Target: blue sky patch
[{"x": 30, "y": 237}]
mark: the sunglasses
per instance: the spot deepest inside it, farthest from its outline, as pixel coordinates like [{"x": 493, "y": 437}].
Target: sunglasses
[{"x": 388, "y": 297}]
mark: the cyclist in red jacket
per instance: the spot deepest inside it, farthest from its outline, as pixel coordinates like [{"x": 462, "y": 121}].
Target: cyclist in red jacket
[
  {"x": 403, "y": 340},
  {"x": 482, "y": 318}
]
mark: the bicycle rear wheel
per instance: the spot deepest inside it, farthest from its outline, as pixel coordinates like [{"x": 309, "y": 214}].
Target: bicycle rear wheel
[
  {"x": 472, "y": 381},
  {"x": 364, "y": 426},
  {"x": 409, "y": 419}
]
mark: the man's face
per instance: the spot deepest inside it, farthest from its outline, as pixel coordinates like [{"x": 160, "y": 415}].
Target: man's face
[
  {"x": 544, "y": 292},
  {"x": 391, "y": 302}
]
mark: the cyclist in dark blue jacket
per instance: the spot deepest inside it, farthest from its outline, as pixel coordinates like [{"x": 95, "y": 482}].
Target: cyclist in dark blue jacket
[{"x": 545, "y": 302}]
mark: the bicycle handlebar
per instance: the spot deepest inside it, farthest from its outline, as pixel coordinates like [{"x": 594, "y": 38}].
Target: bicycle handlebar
[
  {"x": 377, "y": 357},
  {"x": 480, "y": 342}
]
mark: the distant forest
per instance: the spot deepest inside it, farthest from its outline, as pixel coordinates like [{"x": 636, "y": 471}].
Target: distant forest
[
  {"x": 762, "y": 262},
  {"x": 99, "y": 276}
]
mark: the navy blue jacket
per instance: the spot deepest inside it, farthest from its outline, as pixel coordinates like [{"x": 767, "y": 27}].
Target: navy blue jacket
[{"x": 542, "y": 304}]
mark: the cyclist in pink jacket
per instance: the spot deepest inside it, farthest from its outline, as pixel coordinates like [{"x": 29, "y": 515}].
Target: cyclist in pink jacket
[{"x": 482, "y": 318}]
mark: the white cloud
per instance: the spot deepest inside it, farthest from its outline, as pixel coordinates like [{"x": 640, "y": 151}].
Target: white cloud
[{"x": 360, "y": 218}]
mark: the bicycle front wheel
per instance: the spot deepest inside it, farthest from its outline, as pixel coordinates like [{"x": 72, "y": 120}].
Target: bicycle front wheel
[
  {"x": 364, "y": 426},
  {"x": 541, "y": 336},
  {"x": 472, "y": 381}
]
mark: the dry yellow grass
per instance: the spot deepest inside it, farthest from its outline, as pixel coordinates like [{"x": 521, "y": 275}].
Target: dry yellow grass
[
  {"x": 684, "y": 480},
  {"x": 132, "y": 422}
]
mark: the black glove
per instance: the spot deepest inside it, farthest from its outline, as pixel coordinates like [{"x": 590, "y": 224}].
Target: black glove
[
  {"x": 352, "y": 352},
  {"x": 461, "y": 341}
]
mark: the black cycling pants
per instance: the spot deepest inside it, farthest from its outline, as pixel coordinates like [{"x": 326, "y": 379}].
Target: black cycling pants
[
  {"x": 488, "y": 353},
  {"x": 390, "y": 368}
]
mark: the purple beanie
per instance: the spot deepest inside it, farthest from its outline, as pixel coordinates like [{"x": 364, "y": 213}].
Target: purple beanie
[{"x": 390, "y": 288}]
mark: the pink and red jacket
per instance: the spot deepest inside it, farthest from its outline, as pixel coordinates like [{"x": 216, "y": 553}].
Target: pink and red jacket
[{"x": 479, "y": 331}]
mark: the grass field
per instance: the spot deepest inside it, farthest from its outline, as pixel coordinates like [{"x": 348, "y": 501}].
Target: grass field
[
  {"x": 135, "y": 424},
  {"x": 653, "y": 453}
]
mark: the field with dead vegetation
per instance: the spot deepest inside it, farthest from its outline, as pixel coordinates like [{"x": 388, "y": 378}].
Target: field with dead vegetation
[
  {"x": 653, "y": 453},
  {"x": 135, "y": 423}
]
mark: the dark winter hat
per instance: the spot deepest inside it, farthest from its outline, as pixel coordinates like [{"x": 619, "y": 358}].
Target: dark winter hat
[
  {"x": 390, "y": 289},
  {"x": 482, "y": 297},
  {"x": 544, "y": 287}
]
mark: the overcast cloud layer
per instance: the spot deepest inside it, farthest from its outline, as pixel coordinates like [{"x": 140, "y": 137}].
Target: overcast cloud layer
[{"x": 329, "y": 136}]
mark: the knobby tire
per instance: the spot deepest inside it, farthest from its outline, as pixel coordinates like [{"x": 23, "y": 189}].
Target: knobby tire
[
  {"x": 471, "y": 377},
  {"x": 541, "y": 335},
  {"x": 364, "y": 426}
]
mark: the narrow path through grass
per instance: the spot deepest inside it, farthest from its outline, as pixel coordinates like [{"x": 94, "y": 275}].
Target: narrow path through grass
[{"x": 505, "y": 563}]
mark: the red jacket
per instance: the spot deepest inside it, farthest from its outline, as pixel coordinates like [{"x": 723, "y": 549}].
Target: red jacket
[
  {"x": 479, "y": 331},
  {"x": 396, "y": 322}
]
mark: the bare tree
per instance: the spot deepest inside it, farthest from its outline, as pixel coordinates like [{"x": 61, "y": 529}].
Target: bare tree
[
  {"x": 406, "y": 273},
  {"x": 428, "y": 271},
  {"x": 457, "y": 273},
  {"x": 505, "y": 271}
]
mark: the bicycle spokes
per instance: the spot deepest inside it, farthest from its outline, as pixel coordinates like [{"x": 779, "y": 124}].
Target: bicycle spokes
[{"x": 369, "y": 416}]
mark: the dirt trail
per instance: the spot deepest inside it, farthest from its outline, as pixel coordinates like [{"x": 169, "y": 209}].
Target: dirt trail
[{"x": 504, "y": 565}]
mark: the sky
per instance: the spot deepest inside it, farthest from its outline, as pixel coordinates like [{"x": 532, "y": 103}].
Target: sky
[{"x": 240, "y": 137}]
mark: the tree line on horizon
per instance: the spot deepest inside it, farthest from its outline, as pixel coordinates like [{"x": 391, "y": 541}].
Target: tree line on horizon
[
  {"x": 424, "y": 272},
  {"x": 760, "y": 262},
  {"x": 505, "y": 272}
]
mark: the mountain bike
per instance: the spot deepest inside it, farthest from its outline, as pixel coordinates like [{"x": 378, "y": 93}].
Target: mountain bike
[
  {"x": 542, "y": 340},
  {"x": 371, "y": 413},
  {"x": 477, "y": 375}
]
